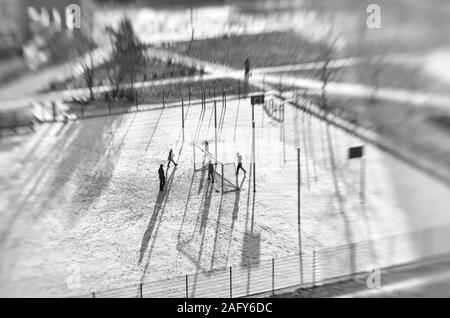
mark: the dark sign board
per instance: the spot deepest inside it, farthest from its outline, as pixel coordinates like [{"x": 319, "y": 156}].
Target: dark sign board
[
  {"x": 355, "y": 152},
  {"x": 257, "y": 99}
]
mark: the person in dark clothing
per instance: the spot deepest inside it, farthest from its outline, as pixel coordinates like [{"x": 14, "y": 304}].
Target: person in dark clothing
[
  {"x": 170, "y": 159},
  {"x": 210, "y": 171},
  {"x": 247, "y": 67},
  {"x": 239, "y": 166},
  {"x": 162, "y": 178}
]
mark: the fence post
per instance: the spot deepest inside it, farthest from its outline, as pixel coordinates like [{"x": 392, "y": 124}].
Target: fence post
[
  {"x": 231, "y": 282},
  {"x": 225, "y": 97},
  {"x": 193, "y": 152},
  {"x": 140, "y": 288},
  {"x": 353, "y": 259},
  {"x": 182, "y": 115},
  {"x": 163, "y": 96},
  {"x": 187, "y": 287},
  {"x": 93, "y": 295},
  {"x": 222, "y": 175},
  {"x": 239, "y": 89},
  {"x": 136, "y": 99},
  {"x": 54, "y": 110},
  {"x": 273, "y": 277},
  {"x": 314, "y": 269}
]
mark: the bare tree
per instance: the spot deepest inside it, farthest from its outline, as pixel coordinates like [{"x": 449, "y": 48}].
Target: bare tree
[
  {"x": 128, "y": 57},
  {"x": 85, "y": 51},
  {"x": 326, "y": 56},
  {"x": 192, "y": 30}
]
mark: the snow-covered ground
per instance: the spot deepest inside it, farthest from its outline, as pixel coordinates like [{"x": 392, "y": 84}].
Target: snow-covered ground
[{"x": 84, "y": 198}]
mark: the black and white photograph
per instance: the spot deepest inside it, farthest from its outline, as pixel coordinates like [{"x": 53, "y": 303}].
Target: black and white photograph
[{"x": 259, "y": 150}]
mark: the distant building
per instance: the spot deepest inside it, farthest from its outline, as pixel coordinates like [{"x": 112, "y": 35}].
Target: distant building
[
  {"x": 13, "y": 25},
  {"x": 18, "y": 19}
]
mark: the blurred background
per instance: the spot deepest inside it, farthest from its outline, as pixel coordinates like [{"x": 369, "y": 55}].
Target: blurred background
[{"x": 392, "y": 81}]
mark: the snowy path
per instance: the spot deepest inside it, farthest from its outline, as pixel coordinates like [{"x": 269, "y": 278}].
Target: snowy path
[{"x": 86, "y": 197}]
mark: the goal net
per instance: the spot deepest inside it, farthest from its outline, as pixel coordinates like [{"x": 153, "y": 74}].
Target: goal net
[{"x": 224, "y": 173}]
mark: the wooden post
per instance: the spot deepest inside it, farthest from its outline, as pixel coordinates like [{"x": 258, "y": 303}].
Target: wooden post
[
  {"x": 187, "y": 287},
  {"x": 140, "y": 287}
]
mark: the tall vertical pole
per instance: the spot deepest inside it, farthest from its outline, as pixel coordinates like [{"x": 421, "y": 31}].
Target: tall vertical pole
[
  {"x": 54, "y": 110},
  {"x": 187, "y": 287},
  {"x": 182, "y": 115},
  {"x": 314, "y": 266},
  {"x": 363, "y": 180},
  {"x": 299, "y": 219},
  {"x": 163, "y": 96},
  {"x": 231, "y": 282},
  {"x": 225, "y": 93},
  {"x": 215, "y": 127},
  {"x": 299, "y": 181},
  {"x": 273, "y": 277},
  {"x": 239, "y": 89},
  {"x": 204, "y": 99},
  {"x": 222, "y": 175},
  {"x": 253, "y": 146}
]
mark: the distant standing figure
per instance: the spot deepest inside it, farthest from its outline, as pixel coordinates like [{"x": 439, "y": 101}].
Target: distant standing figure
[
  {"x": 210, "y": 171},
  {"x": 162, "y": 178},
  {"x": 239, "y": 166},
  {"x": 170, "y": 159},
  {"x": 247, "y": 67}
]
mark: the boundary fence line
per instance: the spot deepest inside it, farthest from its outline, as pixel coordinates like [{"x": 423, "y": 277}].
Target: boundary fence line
[
  {"x": 302, "y": 270},
  {"x": 348, "y": 121}
]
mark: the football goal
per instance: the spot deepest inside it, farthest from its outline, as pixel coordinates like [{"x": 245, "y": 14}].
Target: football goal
[{"x": 225, "y": 173}]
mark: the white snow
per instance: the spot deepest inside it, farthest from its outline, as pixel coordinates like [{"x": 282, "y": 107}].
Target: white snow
[{"x": 86, "y": 196}]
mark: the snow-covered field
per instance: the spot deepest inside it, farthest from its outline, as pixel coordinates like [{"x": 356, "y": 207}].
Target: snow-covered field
[{"x": 84, "y": 199}]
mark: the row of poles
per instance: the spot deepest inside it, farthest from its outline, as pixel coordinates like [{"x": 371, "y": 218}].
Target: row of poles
[{"x": 272, "y": 289}]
